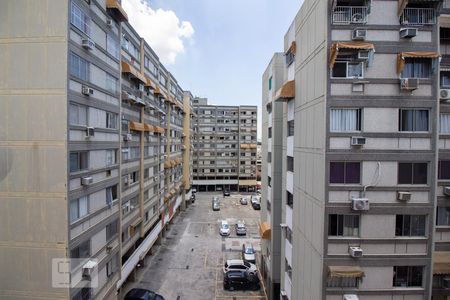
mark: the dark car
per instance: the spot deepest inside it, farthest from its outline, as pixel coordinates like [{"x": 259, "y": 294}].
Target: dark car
[
  {"x": 240, "y": 280},
  {"x": 142, "y": 294},
  {"x": 226, "y": 192},
  {"x": 256, "y": 206}
]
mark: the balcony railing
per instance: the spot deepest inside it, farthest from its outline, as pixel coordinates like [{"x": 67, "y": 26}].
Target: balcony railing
[
  {"x": 350, "y": 14},
  {"x": 418, "y": 16}
]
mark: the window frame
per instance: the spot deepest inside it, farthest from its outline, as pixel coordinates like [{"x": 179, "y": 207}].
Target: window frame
[
  {"x": 412, "y": 173},
  {"x": 342, "y": 227},
  {"x": 414, "y": 116},
  {"x": 345, "y": 174},
  {"x": 410, "y": 271},
  {"x": 73, "y": 219},
  {"x": 80, "y": 162},
  {"x": 359, "y": 119},
  {"x": 407, "y": 225},
  {"x": 353, "y": 62},
  {"x": 83, "y": 24}
]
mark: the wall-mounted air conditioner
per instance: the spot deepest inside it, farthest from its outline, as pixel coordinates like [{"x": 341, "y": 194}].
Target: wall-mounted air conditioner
[
  {"x": 88, "y": 269},
  {"x": 407, "y": 33},
  {"x": 87, "y": 180},
  {"x": 444, "y": 94},
  {"x": 350, "y": 297},
  {"x": 409, "y": 84},
  {"x": 90, "y": 131},
  {"x": 127, "y": 137},
  {"x": 446, "y": 282},
  {"x": 109, "y": 23},
  {"x": 88, "y": 44},
  {"x": 363, "y": 54},
  {"x": 87, "y": 91},
  {"x": 357, "y": 141},
  {"x": 355, "y": 251},
  {"x": 446, "y": 190},
  {"x": 359, "y": 34},
  {"x": 360, "y": 204},
  {"x": 403, "y": 196}
]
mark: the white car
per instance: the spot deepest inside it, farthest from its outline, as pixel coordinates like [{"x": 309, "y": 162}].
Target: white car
[
  {"x": 224, "y": 228},
  {"x": 239, "y": 264}
]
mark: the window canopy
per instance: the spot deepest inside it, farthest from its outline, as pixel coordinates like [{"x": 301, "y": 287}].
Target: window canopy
[
  {"x": 418, "y": 54},
  {"x": 136, "y": 126},
  {"x": 441, "y": 262},
  {"x": 345, "y": 272},
  {"x": 287, "y": 91},
  {"x": 127, "y": 68},
  {"x": 119, "y": 12},
  {"x": 265, "y": 231},
  {"x": 335, "y": 47}
]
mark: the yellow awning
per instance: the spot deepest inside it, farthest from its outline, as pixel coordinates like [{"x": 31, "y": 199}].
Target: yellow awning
[
  {"x": 148, "y": 127},
  {"x": 292, "y": 48},
  {"x": 265, "y": 231},
  {"x": 287, "y": 91},
  {"x": 253, "y": 146},
  {"x": 250, "y": 182},
  {"x": 166, "y": 164},
  {"x": 115, "y": 6},
  {"x": 244, "y": 146},
  {"x": 418, "y": 54},
  {"x": 345, "y": 272},
  {"x": 347, "y": 45},
  {"x": 441, "y": 262},
  {"x": 127, "y": 68},
  {"x": 159, "y": 129},
  {"x": 136, "y": 222},
  {"x": 149, "y": 83},
  {"x": 136, "y": 126},
  {"x": 157, "y": 90}
]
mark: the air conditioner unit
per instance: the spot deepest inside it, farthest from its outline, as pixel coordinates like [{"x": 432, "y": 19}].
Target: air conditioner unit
[
  {"x": 141, "y": 87},
  {"x": 127, "y": 137},
  {"x": 350, "y": 297},
  {"x": 446, "y": 190},
  {"x": 407, "y": 33},
  {"x": 89, "y": 132},
  {"x": 359, "y": 34},
  {"x": 88, "y": 44},
  {"x": 108, "y": 249},
  {"x": 444, "y": 94},
  {"x": 355, "y": 251},
  {"x": 357, "y": 141},
  {"x": 126, "y": 180},
  {"x": 85, "y": 90},
  {"x": 87, "y": 180},
  {"x": 403, "y": 196},
  {"x": 88, "y": 269},
  {"x": 109, "y": 22},
  {"x": 363, "y": 54},
  {"x": 446, "y": 282},
  {"x": 360, "y": 204},
  {"x": 409, "y": 84}
]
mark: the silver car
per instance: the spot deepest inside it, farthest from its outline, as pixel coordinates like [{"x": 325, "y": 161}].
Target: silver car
[
  {"x": 248, "y": 253},
  {"x": 240, "y": 228}
]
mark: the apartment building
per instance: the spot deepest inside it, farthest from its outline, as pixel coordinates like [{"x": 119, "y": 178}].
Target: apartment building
[
  {"x": 225, "y": 147},
  {"x": 92, "y": 128},
  {"x": 359, "y": 154}
]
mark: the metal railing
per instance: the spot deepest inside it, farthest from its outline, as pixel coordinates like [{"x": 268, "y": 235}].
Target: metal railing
[
  {"x": 418, "y": 16},
  {"x": 350, "y": 14}
]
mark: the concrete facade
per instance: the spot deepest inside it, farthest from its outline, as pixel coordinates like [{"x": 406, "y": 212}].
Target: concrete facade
[
  {"x": 92, "y": 146},
  {"x": 225, "y": 147},
  {"x": 325, "y": 173}
]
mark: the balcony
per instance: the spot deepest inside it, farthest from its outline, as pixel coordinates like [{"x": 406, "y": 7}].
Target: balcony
[
  {"x": 350, "y": 14},
  {"x": 418, "y": 16}
]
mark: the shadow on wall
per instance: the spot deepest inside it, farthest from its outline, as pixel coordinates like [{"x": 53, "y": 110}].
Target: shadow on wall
[{"x": 5, "y": 163}]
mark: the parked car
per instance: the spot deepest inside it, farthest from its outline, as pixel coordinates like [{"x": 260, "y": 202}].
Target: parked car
[
  {"x": 224, "y": 228},
  {"x": 239, "y": 265},
  {"x": 194, "y": 190},
  {"x": 241, "y": 280},
  {"x": 226, "y": 192},
  {"x": 215, "y": 203},
  {"x": 142, "y": 294},
  {"x": 192, "y": 198},
  {"x": 240, "y": 228},
  {"x": 248, "y": 253},
  {"x": 244, "y": 201},
  {"x": 256, "y": 205}
]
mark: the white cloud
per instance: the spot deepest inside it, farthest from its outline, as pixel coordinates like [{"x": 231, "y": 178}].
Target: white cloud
[{"x": 160, "y": 28}]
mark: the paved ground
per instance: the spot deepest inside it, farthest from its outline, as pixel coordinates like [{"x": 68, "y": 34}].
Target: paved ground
[{"x": 188, "y": 264}]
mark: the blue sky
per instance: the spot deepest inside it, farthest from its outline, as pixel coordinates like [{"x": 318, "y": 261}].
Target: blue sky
[{"x": 231, "y": 45}]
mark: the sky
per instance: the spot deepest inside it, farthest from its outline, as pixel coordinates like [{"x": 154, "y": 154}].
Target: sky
[{"x": 217, "y": 49}]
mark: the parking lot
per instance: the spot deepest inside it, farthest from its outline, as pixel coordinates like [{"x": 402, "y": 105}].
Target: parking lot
[{"x": 188, "y": 263}]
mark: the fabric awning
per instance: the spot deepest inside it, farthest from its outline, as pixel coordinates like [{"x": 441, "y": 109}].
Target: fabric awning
[
  {"x": 418, "y": 54},
  {"x": 287, "y": 91},
  {"x": 253, "y": 146},
  {"x": 148, "y": 127},
  {"x": 251, "y": 182},
  {"x": 444, "y": 21},
  {"x": 149, "y": 83},
  {"x": 157, "y": 90},
  {"x": 441, "y": 262},
  {"x": 136, "y": 126},
  {"x": 159, "y": 129},
  {"x": 335, "y": 47},
  {"x": 265, "y": 231},
  {"x": 118, "y": 10},
  {"x": 166, "y": 164},
  {"x": 292, "y": 48},
  {"x": 345, "y": 272},
  {"x": 127, "y": 68},
  {"x": 244, "y": 146}
]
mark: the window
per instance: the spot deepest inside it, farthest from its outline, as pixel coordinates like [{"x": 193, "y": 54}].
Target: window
[
  {"x": 163, "y": 80},
  {"x": 148, "y": 63},
  {"x": 289, "y": 199},
  {"x": 112, "y": 229},
  {"x": 111, "y": 120},
  {"x": 83, "y": 294},
  {"x": 290, "y": 128},
  {"x": 444, "y": 170},
  {"x": 111, "y": 83},
  {"x": 345, "y": 172},
  {"x": 78, "y": 161},
  {"x": 112, "y": 46},
  {"x": 269, "y": 157},
  {"x": 343, "y": 282},
  {"x": 413, "y": 120},
  {"x": 289, "y": 57},
  {"x": 268, "y": 204},
  {"x": 79, "y": 67},
  {"x": 288, "y": 268},
  {"x": 269, "y": 108},
  {"x": 412, "y": 173},
  {"x": 443, "y": 216},
  {"x": 417, "y": 68},
  {"x": 81, "y": 251},
  {"x": 111, "y": 194},
  {"x": 345, "y": 120},
  {"x": 444, "y": 121},
  {"x": 343, "y": 225},
  {"x": 78, "y": 208},
  {"x": 408, "y": 276},
  {"x": 290, "y": 163},
  {"x": 348, "y": 69},
  {"x": 269, "y": 181},
  {"x": 288, "y": 233},
  {"x": 410, "y": 225},
  {"x": 111, "y": 266},
  {"x": 111, "y": 157},
  {"x": 79, "y": 19},
  {"x": 445, "y": 79},
  {"x": 269, "y": 132},
  {"x": 77, "y": 115}
]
